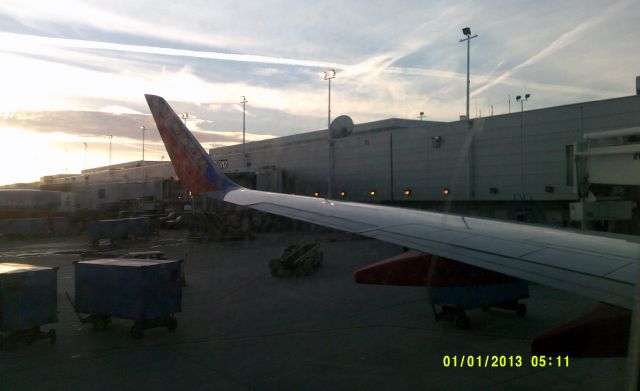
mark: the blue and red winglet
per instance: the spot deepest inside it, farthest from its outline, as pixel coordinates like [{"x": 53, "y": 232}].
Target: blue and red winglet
[{"x": 197, "y": 172}]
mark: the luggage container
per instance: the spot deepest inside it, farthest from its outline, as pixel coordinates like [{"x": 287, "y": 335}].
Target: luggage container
[
  {"x": 119, "y": 229},
  {"x": 154, "y": 255},
  {"x": 453, "y": 286},
  {"x": 24, "y": 228},
  {"x": 455, "y": 300},
  {"x": 28, "y": 300},
  {"x": 59, "y": 225},
  {"x": 148, "y": 292}
]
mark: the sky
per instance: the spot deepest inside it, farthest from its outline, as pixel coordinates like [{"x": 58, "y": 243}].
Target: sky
[{"x": 74, "y": 73}]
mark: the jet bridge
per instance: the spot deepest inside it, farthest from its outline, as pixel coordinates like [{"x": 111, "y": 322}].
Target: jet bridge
[{"x": 608, "y": 175}]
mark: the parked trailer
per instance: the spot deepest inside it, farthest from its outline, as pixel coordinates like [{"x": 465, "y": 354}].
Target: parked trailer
[
  {"x": 28, "y": 300},
  {"x": 24, "y": 228},
  {"x": 119, "y": 229},
  {"x": 148, "y": 292}
]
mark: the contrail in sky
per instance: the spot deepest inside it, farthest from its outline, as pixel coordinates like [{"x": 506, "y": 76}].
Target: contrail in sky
[
  {"x": 14, "y": 41},
  {"x": 565, "y": 39}
]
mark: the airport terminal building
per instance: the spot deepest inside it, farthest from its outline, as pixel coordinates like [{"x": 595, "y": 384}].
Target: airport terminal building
[
  {"x": 578, "y": 162},
  {"x": 526, "y": 165}
]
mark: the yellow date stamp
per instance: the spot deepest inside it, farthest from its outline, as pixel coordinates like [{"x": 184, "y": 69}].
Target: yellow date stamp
[{"x": 504, "y": 361}]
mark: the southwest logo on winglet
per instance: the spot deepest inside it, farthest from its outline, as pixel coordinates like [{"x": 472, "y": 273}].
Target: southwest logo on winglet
[{"x": 197, "y": 172}]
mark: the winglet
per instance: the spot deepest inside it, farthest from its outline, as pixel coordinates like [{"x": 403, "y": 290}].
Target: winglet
[{"x": 197, "y": 172}]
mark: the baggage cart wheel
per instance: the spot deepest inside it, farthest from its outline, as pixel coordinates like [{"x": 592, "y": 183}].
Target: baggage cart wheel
[
  {"x": 101, "y": 322},
  {"x": 462, "y": 321},
  {"x": 6, "y": 342},
  {"x": 30, "y": 335},
  {"x": 136, "y": 331},
  {"x": 436, "y": 314},
  {"x": 274, "y": 265},
  {"x": 52, "y": 336},
  {"x": 521, "y": 310},
  {"x": 310, "y": 265},
  {"x": 172, "y": 323}
]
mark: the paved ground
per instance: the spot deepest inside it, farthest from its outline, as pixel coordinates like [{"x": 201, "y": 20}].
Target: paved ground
[{"x": 242, "y": 329}]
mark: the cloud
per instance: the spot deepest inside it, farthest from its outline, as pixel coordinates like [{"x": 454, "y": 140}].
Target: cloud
[
  {"x": 564, "y": 40},
  {"x": 49, "y": 16},
  {"x": 395, "y": 59},
  {"x": 115, "y": 109}
]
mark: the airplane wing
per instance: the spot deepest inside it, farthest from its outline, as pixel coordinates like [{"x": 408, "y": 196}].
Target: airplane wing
[{"x": 598, "y": 267}]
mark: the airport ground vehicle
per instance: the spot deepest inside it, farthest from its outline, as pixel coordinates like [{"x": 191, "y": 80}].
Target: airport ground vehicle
[{"x": 297, "y": 260}]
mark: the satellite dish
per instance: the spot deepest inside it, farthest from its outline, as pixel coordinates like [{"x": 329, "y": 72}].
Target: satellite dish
[{"x": 341, "y": 127}]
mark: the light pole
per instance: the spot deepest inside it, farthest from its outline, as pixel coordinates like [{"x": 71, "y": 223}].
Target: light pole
[
  {"x": 519, "y": 99},
  {"x": 244, "y": 107},
  {"x": 328, "y": 75},
  {"x": 184, "y": 116},
  {"x": 143, "y": 129},
  {"x": 467, "y": 31},
  {"x": 110, "y": 137},
  {"x": 85, "y": 155}
]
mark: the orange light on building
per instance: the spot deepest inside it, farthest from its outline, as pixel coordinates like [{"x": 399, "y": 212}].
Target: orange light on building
[
  {"x": 372, "y": 193},
  {"x": 445, "y": 191},
  {"x": 407, "y": 192}
]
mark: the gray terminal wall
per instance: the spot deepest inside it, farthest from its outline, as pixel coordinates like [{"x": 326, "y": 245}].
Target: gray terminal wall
[{"x": 501, "y": 158}]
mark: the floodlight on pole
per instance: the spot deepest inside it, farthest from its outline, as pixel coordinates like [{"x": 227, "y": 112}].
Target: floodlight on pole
[
  {"x": 110, "y": 137},
  {"x": 244, "y": 107},
  {"x": 519, "y": 99},
  {"x": 467, "y": 31},
  {"x": 328, "y": 75},
  {"x": 85, "y": 155},
  {"x": 143, "y": 129}
]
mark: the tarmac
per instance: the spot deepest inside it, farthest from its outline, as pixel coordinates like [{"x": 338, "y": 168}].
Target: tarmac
[{"x": 243, "y": 329}]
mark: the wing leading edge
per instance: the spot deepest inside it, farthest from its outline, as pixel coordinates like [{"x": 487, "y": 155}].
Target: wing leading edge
[{"x": 598, "y": 267}]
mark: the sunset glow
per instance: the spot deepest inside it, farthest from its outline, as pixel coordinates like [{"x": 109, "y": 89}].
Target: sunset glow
[{"x": 75, "y": 71}]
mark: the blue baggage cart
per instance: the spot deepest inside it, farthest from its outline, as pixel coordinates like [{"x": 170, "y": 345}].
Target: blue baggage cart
[
  {"x": 28, "y": 300},
  {"x": 119, "y": 229},
  {"x": 148, "y": 292},
  {"x": 454, "y": 300}
]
